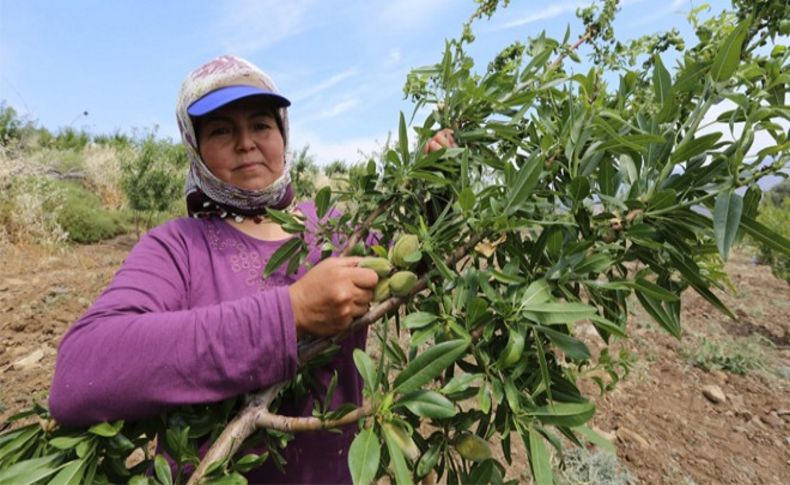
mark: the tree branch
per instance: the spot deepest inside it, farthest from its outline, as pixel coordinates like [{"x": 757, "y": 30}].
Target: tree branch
[
  {"x": 256, "y": 413},
  {"x": 289, "y": 424}
]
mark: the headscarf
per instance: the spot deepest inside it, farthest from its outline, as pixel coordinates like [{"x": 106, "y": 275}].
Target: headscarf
[{"x": 206, "y": 194}]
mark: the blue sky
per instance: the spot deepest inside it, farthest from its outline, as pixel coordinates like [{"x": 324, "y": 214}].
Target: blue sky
[{"x": 342, "y": 63}]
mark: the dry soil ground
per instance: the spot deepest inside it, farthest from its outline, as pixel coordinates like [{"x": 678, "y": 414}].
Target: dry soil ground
[{"x": 665, "y": 429}]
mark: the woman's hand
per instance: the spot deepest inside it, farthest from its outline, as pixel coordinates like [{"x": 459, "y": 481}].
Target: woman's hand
[
  {"x": 442, "y": 139},
  {"x": 328, "y": 298}
]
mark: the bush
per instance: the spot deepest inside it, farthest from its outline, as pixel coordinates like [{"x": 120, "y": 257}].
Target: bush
[
  {"x": 776, "y": 217},
  {"x": 84, "y": 219}
]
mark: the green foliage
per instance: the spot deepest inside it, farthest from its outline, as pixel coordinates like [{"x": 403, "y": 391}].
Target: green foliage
[
  {"x": 153, "y": 176},
  {"x": 777, "y": 217},
  {"x": 84, "y": 219},
  {"x": 304, "y": 173},
  {"x": 336, "y": 168}
]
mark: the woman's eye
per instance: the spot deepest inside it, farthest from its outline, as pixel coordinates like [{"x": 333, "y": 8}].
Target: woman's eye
[
  {"x": 262, "y": 125},
  {"x": 218, "y": 131}
]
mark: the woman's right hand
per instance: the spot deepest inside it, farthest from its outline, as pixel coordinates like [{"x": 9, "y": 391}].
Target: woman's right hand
[{"x": 331, "y": 295}]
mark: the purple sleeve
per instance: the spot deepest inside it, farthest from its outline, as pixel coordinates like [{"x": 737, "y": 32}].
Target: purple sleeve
[{"x": 140, "y": 349}]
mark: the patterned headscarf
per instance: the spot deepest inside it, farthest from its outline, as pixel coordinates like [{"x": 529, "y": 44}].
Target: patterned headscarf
[{"x": 206, "y": 194}]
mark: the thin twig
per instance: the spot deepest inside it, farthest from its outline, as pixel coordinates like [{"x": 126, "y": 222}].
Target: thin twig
[
  {"x": 290, "y": 424},
  {"x": 587, "y": 36}
]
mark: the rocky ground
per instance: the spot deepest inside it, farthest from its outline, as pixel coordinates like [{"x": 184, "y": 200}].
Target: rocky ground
[{"x": 671, "y": 420}]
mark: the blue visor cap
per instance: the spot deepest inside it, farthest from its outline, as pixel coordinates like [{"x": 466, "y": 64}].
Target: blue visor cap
[{"x": 222, "y": 96}]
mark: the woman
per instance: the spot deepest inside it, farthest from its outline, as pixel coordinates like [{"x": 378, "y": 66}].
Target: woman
[{"x": 189, "y": 318}]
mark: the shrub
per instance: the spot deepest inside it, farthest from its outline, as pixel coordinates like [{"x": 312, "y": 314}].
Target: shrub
[
  {"x": 83, "y": 218},
  {"x": 152, "y": 178}
]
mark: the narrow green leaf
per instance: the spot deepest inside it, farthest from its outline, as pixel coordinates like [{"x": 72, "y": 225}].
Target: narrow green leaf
[
  {"x": 428, "y": 404},
  {"x": 595, "y": 439},
  {"x": 662, "y": 81},
  {"x": 322, "y": 201},
  {"x": 562, "y": 312},
  {"x": 162, "y": 470},
  {"x": 66, "y": 442},
  {"x": 765, "y": 236},
  {"x": 403, "y": 139},
  {"x": 573, "y": 347},
  {"x": 366, "y": 368},
  {"x": 419, "y": 319},
  {"x": 28, "y": 472},
  {"x": 283, "y": 254},
  {"x": 663, "y": 317},
  {"x": 726, "y": 220},
  {"x": 564, "y": 414},
  {"x": 694, "y": 147},
  {"x": 691, "y": 273},
  {"x": 539, "y": 459},
  {"x": 364, "y": 456},
  {"x": 607, "y": 326},
  {"x": 579, "y": 189},
  {"x": 70, "y": 474},
  {"x": 429, "y": 365},
  {"x": 524, "y": 183},
  {"x": 397, "y": 460},
  {"x": 729, "y": 55},
  {"x": 653, "y": 290}
]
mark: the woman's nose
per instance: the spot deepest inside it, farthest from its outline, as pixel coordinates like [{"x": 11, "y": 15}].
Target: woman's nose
[{"x": 244, "y": 140}]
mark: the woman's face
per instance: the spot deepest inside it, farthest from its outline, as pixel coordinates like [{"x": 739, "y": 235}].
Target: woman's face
[{"x": 241, "y": 144}]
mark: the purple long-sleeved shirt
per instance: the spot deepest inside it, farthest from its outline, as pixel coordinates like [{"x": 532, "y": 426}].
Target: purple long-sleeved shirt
[{"x": 189, "y": 319}]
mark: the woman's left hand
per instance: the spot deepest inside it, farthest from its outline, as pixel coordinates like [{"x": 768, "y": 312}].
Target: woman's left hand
[{"x": 442, "y": 139}]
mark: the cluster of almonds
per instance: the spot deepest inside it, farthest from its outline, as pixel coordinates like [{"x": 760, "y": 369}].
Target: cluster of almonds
[{"x": 402, "y": 281}]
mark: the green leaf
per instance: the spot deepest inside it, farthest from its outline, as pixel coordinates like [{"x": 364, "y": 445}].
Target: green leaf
[
  {"x": 579, "y": 189},
  {"x": 106, "y": 429},
  {"x": 564, "y": 414},
  {"x": 429, "y": 364},
  {"x": 729, "y": 55},
  {"x": 607, "y": 326},
  {"x": 660, "y": 314},
  {"x": 364, "y": 456},
  {"x": 522, "y": 185},
  {"x": 66, "y": 442},
  {"x": 573, "y": 347},
  {"x": 70, "y": 474},
  {"x": 662, "y": 81},
  {"x": 283, "y": 254},
  {"x": 537, "y": 292},
  {"x": 322, "y": 201},
  {"x": 765, "y": 236},
  {"x": 694, "y": 147},
  {"x": 250, "y": 462},
  {"x": 419, "y": 319},
  {"x": 596, "y": 439},
  {"x": 563, "y": 312},
  {"x": 403, "y": 139},
  {"x": 162, "y": 470},
  {"x": 397, "y": 460},
  {"x": 539, "y": 459},
  {"x": 428, "y": 404},
  {"x": 28, "y": 472},
  {"x": 691, "y": 273},
  {"x": 653, "y": 290},
  {"x": 466, "y": 199},
  {"x": 366, "y": 368},
  {"x": 726, "y": 220}
]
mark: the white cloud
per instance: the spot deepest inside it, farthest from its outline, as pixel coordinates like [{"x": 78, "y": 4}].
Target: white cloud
[
  {"x": 324, "y": 85},
  {"x": 336, "y": 109},
  {"x": 250, "y": 26}
]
